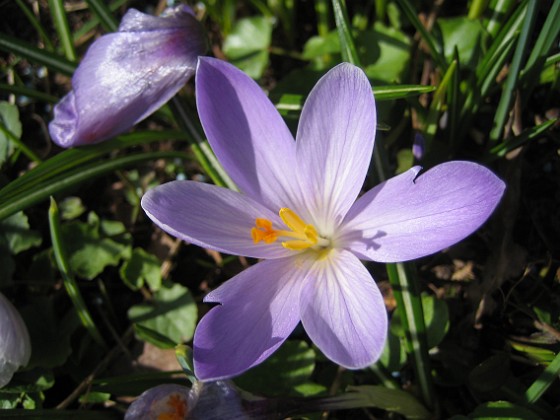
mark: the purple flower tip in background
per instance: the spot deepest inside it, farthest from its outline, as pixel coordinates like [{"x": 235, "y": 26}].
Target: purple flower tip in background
[
  {"x": 127, "y": 75},
  {"x": 15, "y": 346},
  {"x": 418, "y": 147},
  {"x": 299, "y": 211}
]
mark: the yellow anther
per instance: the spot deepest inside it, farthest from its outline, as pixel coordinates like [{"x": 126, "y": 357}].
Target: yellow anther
[
  {"x": 300, "y": 236},
  {"x": 291, "y": 219}
]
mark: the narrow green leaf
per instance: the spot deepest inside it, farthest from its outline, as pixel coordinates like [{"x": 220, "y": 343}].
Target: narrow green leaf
[
  {"x": 20, "y": 90},
  {"x": 426, "y": 36},
  {"x": 200, "y": 147},
  {"x": 70, "y": 179},
  {"x": 506, "y": 99},
  {"x": 437, "y": 105},
  {"x": 36, "y": 55},
  {"x": 36, "y": 24},
  {"x": 347, "y": 47},
  {"x": 17, "y": 141},
  {"x": 72, "y": 159},
  {"x": 68, "y": 277},
  {"x": 152, "y": 336},
  {"x": 94, "y": 21},
  {"x": 477, "y": 8},
  {"x": 404, "y": 284},
  {"x": 104, "y": 15},
  {"x": 514, "y": 142},
  {"x": 62, "y": 28},
  {"x": 543, "y": 382},
  {"x": 547, "y": 37}
]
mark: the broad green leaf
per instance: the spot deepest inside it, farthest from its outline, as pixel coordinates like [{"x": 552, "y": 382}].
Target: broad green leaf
[
  {"x": 71, "y": 208},
  {"x": 502, "y": 410},
  {"x": 393, "y": 400},
  {"x": 141, "y": 267},
  {"x": 9, "y": 118},
  {"x": 172, "y": 313},
  {"x": 491, "y": 374},
  {"x": 318, "y": 46},
  {"x": 34, "y": 380},
  {"x": 385, "y": 54},
  {"x": 310, "y": 389},
  {"x": 394, "y": 354},
  {"x": 247, "y": 44},
  {"x": 16, "y": 234},
  {"x": 405, "y": 160},
  {"x": 90, "y": 251},
  {"x": 436, "y": 317},
  {"x": 464, "y": 34},
  {"x": 50, "y": 335},
  {"x": 94, "y": 397},
  {"x": 291, "y": 365}
]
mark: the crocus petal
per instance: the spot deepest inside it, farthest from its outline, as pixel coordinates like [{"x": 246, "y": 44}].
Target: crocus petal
[
  {"x": 408, "y": 217},
  {"x": 343, "y": 311},
  {"x": 125, "y": 76},
  {"x": 211, "y": 217},
  {"x": 259, "y": 309},
  {"x": 246, "y": 132},
  {"x": 334, "y": 144},
  {"x": 15, "y": 345}
]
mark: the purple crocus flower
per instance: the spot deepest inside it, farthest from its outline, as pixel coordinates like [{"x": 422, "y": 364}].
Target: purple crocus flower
[
  {"x": 297, "y": 210},
  {"x": 127, "y": 75}
]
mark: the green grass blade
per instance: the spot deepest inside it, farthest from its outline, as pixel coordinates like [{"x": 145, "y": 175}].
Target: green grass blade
[
  {"x": 68, "y": 277},
  {"x": 513, "y": 143},
  {"x": 60, "y": 22},
  {"x": 92, "y": 23},
  {"x": 543, "y": 382},
  {"x": 19, "y": 144},
  {"x": 20, "y": 90},
  {"x": 430, "y": 41},
  {"x": 546, "y": 38},
  {"x": 36, "y": 24},
  {"x": 104, "y": 15},
  {"x": 437, "y": 105},
  {"x": 72, "y": 159},
  {"x": 347, "y": 47},
  {"x": 71, "y": 179},
  {"x": 500, "y": 9},
  {"x": 36, "y": 55},
  {"x": 477, "y": 8},
  {"x": 389, "y": 93},
  {"x": 502, "y": 111},
  {"x": 322, "y": 12},
  {"x": 403, "y": 281},
  {"x": 200, "y": 147}
]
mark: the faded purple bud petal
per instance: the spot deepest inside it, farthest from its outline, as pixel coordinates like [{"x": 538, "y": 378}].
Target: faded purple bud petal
[
  {"x": 15, "y": 346},
  {"x": 127, "y": 75}
]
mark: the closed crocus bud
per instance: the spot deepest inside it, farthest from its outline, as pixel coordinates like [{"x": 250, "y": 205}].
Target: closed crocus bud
[
  {"x": 214, "y": 400},
  {"x": 127, "y": 75},
  {"x": 15, "y": 346}
]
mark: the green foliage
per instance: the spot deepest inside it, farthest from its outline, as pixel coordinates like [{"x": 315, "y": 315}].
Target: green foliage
[
  {"x": 9, "y": 121},
  {"x": 287, "y": 371},
  {"x": 172, "y": 313},
  {"x": 141, "y": 267},
  {"x": 247, "y": 45},
  {"x": 84, "y": 240}
]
